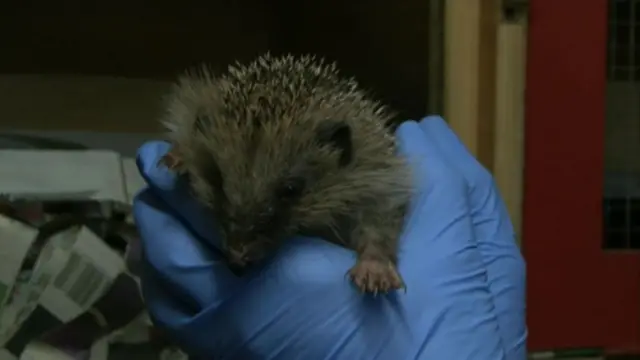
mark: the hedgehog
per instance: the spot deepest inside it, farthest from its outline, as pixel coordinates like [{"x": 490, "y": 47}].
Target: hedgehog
[{"x": 285, "y": 146}]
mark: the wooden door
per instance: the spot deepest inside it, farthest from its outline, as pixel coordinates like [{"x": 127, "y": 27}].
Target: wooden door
[{"x": 583, "y": 286}]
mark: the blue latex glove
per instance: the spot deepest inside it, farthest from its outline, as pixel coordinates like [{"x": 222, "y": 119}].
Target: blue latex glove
[{"x": 464, "y": 273}]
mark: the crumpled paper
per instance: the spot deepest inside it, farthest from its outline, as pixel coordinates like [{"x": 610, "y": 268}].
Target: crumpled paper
[
  {"x": 69, "y": 256},
  {"x": 93, "y": 329}
]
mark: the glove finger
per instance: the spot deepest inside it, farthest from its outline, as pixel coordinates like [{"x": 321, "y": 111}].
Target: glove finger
[
  {"x": 489, "y": 215},
  {"x": 174, "y": 190},
  {"x": 493, "y": 232},
  {"x": 455, "y": 265},
  {"x": 429, "y": 167},
  {"x": 487, "y": 208},
  {"x": 453, "y": 147},
  {"x": 192, "y": 269},
  {"x": 439, "y": 208},
  {"x": 166, "y": 308}
]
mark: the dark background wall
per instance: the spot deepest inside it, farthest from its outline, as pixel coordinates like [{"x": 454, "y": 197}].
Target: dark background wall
[{"x": 384, "y": 46}]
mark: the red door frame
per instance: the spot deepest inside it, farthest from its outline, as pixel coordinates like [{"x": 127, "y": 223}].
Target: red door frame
[{"x": 578, "y": 295}]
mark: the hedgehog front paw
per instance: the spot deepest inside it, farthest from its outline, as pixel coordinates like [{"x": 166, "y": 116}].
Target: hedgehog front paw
[
  {"x": 172, "y": 161},
  {"x": 374, "y": 276}
]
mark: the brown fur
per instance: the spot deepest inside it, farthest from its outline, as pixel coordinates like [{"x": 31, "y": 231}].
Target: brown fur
[{"x": 241, "y": 135}]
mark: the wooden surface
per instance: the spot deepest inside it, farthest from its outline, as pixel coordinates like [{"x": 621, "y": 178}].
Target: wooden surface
[
  {"x": 435, "y": 62},
  {"x": 487, "y": 70},
  {"x": 484, "y": 92},
  {"x": 508, "y": 164},
  {"x": 470, "y": 53}
]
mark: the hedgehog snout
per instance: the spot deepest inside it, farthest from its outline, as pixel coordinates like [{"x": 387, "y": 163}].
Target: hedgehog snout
[
  {"x": 236, "y": 256},
  {"x": 246, "y": 250},
  {"x": 240, "y": 240}
]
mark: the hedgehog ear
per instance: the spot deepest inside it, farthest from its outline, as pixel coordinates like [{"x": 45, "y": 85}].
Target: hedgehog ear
[{"x": 338, "y": 136}]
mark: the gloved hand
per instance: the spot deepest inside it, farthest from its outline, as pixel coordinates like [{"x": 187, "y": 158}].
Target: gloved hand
[{"x": 464, "y": 273}]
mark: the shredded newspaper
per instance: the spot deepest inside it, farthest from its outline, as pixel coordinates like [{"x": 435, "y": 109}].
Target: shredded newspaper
[{"x": 69, "y": 255}]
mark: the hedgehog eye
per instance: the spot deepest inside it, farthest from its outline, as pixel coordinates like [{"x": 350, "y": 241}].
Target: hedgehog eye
[
  {"x": 338, "y": 136},
  {"x": 291, "y": 188},
  {"x": 201, "y": 124},
  {"x": 210, "y": 172}
]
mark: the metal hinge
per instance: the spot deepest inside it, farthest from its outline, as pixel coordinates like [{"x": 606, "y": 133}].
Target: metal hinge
[{"x": 514, "y": 10}]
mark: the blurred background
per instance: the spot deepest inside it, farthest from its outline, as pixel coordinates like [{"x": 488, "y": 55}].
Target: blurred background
[{"x": 544, "y": 93}]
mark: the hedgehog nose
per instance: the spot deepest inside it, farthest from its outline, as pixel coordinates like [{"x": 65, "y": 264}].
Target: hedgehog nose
[
  {"x": 238, "y": 243},
  {"x": 237, "y": 255},
  {"x": 240, "y": 229}
]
